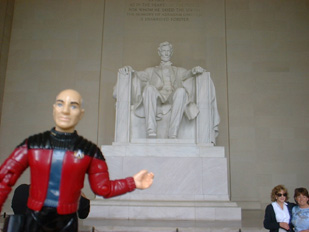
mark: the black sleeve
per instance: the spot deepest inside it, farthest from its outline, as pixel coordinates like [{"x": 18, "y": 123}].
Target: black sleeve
[
  {"x": 84, "y": 207},
  {"x": 270, "y": 221}
]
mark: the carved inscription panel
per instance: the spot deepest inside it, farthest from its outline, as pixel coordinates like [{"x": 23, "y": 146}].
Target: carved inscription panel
[{"x": 164, "y": 10}]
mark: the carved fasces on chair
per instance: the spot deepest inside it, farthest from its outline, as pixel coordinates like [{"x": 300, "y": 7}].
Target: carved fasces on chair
[
  {"x": 122, "y": 93},
  {"x": 208, "y": 119}
]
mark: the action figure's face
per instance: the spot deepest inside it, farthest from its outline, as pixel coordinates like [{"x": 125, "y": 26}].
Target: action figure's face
[
  {"x": 67, "y": 110},
  {"x": 165, "y": 53}
]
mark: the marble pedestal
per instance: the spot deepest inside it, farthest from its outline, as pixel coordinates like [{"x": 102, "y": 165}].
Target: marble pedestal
[{"x": 191, "y": 182}]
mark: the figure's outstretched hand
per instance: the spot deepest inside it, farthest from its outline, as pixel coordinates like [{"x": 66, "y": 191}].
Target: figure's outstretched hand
[
  {"x": 143, "y": 179},
  {"x": 198, "y": 70},
  {"x": 126, "y": 70}
]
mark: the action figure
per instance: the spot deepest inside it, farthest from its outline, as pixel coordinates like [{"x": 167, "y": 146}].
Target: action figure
[{"x": 58, "y": 161}]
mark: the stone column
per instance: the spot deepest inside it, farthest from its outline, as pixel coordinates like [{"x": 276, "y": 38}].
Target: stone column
[{"x": 203, "y": 98}]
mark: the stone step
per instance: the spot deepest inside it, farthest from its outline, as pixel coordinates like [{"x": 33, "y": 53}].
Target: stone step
[
  {"x": 104, "y": 225},
  {"x": 252, "y": 221},
  {"x": 108, "y": 225},
  {"x": 165, "y": 210}
]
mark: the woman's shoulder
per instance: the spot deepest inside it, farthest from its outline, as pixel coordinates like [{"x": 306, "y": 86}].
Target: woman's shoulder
[
  {"x": 269, "y": 207},
  {"x": 295, "y": 208}
]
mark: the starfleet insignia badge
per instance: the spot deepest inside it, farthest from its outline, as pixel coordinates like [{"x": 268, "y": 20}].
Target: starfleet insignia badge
[{"x": 78, "y": 154}]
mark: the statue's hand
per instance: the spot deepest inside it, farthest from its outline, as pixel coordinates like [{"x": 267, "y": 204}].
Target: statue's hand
[
  {"x": 198, "y": 70},
  {"x": 143, "y": 179},
  {"x": 126, "y": 70}
]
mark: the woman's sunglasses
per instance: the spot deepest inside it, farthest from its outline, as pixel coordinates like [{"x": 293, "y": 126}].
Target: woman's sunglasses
[{"x": 280, "y": 194}]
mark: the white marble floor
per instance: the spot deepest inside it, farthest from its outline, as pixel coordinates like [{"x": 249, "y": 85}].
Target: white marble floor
[{"x": 252, "y": 221}]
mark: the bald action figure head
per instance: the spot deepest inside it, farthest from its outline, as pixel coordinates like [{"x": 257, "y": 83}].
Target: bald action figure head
[{"x": 67, "y": 110}]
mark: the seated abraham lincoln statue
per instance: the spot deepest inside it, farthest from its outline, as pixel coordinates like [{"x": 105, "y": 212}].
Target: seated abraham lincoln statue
[
  {"x": 158, "y": 90},
  {"x": 164, "y": 84}
]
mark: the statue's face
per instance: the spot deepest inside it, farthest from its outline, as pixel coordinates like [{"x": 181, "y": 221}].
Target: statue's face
[
  {"x": 67, "y": 110},
  {"x": 165, "y": 53}
]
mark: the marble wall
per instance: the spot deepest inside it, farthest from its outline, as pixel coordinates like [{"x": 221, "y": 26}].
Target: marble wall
[
  {"x": 267, "y": 57},
  {"x": 6, "y": 18},
  {"x": 256, "y": 51}
]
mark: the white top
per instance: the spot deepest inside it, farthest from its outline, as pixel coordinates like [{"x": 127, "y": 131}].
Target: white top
[{"x": 282, "y": 215}]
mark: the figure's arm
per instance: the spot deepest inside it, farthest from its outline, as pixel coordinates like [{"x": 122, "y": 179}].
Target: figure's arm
[
  {"x": 102, "y": 185},
  {"x": 142, "y": 75},
  {"x": 11, "y": 170},
  {"x": 191, "y": 73}
]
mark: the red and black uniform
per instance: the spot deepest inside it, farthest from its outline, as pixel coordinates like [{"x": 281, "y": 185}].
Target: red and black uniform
[{"x": 58, "y": 163}]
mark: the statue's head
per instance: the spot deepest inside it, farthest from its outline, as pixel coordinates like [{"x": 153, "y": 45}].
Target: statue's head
[
  {"x": 165, "y": 51},
  {"x": 67, "y": 110}
]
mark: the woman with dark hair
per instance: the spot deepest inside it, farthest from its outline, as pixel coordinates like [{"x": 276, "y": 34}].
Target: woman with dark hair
[
  {"x": 278, "y": 213},
  {"x": 301, "y": 211}
]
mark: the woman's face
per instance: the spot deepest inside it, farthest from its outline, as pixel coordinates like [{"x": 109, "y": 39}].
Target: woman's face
[
  {"x": 302, "y": 200},
  {"x": 281, "y": 196}
]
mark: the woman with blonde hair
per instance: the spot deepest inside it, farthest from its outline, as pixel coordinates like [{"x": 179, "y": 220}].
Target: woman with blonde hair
[{"x": 278, "y": 213}]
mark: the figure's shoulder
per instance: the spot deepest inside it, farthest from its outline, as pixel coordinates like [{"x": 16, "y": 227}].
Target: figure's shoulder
[
  {"x": 146, "y": 72},
  {"x": 89, "y": 148},
  {"x": 38, "y": 140},
  {"x": 40, "y": 135}
]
